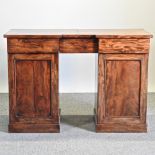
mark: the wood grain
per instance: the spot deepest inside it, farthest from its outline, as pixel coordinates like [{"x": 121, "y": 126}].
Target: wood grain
[
  {"x": 78, "y": 46},
  {"x": 33, "y": 45},
  {"x": 124, "y": 45}
]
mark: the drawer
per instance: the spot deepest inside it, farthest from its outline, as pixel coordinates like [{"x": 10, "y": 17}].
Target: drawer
[
  {"x": 78, "y": 45},
  {"x": 124, "y": 45},
  {"x": 33, "y": 45}
]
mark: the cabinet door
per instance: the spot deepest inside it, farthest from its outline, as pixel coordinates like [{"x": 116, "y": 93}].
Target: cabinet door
[
  {"x": 33, "y": 84},
  {"x": 122, "y": 88}
]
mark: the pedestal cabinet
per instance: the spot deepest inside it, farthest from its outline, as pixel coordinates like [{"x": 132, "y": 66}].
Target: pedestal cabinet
[
  {"x": 122, "y": 88},
  {"x": 122, "y": 77},
  {"x": 33, "y": 85}
]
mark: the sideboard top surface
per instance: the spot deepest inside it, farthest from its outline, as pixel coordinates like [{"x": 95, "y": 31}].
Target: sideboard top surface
[{"x": 77, "y": 33}]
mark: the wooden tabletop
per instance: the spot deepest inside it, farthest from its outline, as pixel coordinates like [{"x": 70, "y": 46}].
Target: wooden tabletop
[{"x": 76, "y": 33}]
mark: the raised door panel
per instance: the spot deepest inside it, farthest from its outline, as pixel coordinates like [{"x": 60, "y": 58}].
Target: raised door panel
[
  {"x": 122, "y": 88},
  {"x": 33, "y": 91},
  {"x": 33, "y": 88}
]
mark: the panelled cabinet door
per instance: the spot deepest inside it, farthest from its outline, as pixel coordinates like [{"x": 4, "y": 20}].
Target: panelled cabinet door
[
  {"x": 33, "y": 88},
  {"x": 122, "y": 91}
]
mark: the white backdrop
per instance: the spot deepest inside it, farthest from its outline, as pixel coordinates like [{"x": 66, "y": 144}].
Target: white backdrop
[{"x": 77, "y": 72}]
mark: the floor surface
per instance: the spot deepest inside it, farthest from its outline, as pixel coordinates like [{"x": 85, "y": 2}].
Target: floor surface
[{"x": 77, "y": 136}]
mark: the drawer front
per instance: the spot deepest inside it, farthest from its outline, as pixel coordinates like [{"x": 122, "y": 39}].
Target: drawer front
[
  {"x": 78, "y": 46},
  {"x": 124, "y": 45},
  {"x": 33, "y": 45}
]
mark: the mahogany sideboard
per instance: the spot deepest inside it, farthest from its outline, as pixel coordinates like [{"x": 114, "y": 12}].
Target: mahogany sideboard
[{"x": 33, "y": 57}]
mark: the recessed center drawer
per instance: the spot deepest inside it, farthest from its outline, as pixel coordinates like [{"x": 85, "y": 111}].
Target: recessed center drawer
[
  {"x": 33, "y": 45},
  {"x": 124, "y": 45},
  {"x": 78, "y": 45}
]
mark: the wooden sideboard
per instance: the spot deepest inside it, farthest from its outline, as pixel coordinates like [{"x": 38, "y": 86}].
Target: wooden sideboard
[{"x": 33, "y": 57}]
